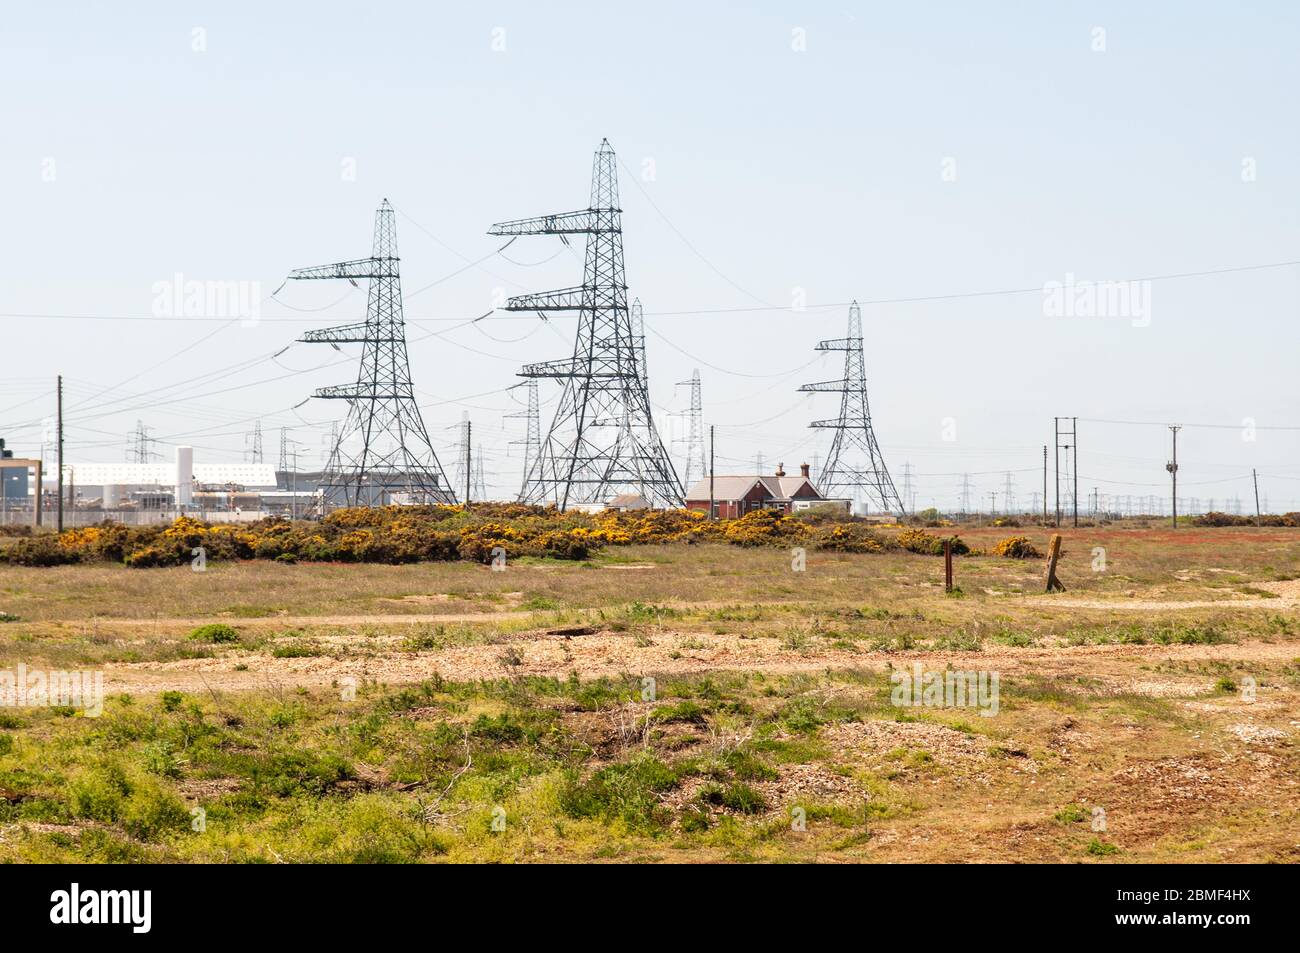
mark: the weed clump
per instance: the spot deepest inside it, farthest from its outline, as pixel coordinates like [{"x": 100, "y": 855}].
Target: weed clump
[
  {"x": 214, "y": 632},
  {"x": 1016, "y": 547}
]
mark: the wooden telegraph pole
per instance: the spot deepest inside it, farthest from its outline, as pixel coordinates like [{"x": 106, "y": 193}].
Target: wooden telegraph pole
[
  {"x": 1044, "y": 484},
  {"x": 469, "y": 470},
  {"x": 1172, "y": 467},
  {"x": 1056, "y": 469},
  {"x": 1254, "y": 475},
  {"x": 59, "y": 453},
  {"x": 711, "y": 503}
]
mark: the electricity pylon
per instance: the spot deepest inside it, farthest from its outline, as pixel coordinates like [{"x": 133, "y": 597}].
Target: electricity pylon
[
  {"x": 284, "y": 456},
  {"x": 141, "y": 444},
  {"x": 638, "y": 337},
  {"x": 480, "y": 484},
  {"x": 855, "y": 464},
  {"x": 464, "y": 465},
  {"x": 695, "y": 432},
  {"x": 254, "y": 442},
  {"x": 603, "y": 440},
  {"x": 532, "y": 441},
  {"x": 395, "y": 461}
]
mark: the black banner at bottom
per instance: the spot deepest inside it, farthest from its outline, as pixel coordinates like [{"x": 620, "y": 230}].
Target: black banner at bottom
[{"x": 140, "y": 904}]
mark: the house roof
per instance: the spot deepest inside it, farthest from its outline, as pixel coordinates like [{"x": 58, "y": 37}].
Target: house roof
[
  {"x": 736, "y": 487},
  {"x": 629, "y": 501}
]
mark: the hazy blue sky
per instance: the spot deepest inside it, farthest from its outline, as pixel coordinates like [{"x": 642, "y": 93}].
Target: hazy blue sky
[{"x": 905, "y": 151}]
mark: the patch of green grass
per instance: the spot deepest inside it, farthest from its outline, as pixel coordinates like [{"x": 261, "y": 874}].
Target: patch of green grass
[
  {"x": 959, "y": 641},
  {"x": 1098, "y": 848},
  {"x": 248, "y": 612},
  {"x": 626, "y": 792},
  {"x": 297, "y": 649},
  {"x": 1071, "y": 814},
  {"x": 643, "y": 612},
  {"x": 688, "y": 711},
  {"x": 737, "y": 796}
]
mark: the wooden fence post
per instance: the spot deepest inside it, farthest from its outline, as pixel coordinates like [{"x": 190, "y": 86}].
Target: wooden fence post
[{"x": 947, "y": 565}]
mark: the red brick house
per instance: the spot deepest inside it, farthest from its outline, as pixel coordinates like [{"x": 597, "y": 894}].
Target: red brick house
[{"x": 734, "y": 496}]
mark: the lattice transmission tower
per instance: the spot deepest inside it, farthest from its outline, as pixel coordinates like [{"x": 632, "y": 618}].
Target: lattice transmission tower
[
  {"x": 284, "y": 450},
  {"x": 253, "y": 440},
  {"x": 383, "y": 453},
  {"x": 855, "y": 464},
  {"x": 532, "y": 442},
  {"x": 603, "y": 440},
  {"x": 638, "y": 336},
  {"x": 142, "y": 444},
  {"x": 695, "y": 468}
]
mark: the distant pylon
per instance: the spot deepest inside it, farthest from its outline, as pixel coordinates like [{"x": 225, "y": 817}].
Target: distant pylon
[
  {"x": 1008, "y": 494},
  {"x": 141, "y": 444},
  {"x": 480, "y": 485},
  {"x": 695, "y": 468},
  {"x": 329, "y": 441},
  {"x": 909, "y": 495},
  {"x": 282, "y": 471},
  {"x": 855, "y": 463},
  {"x": 395, "y": 461},
  {"x": 532, "y": 441},
  {"x": 965, "y": 493},
  {"x": 464, "y": 463},
  {"x": 638, "y": 337},
  {"x": 254, "y": 443},
  {"x": 603, "y": 440}
]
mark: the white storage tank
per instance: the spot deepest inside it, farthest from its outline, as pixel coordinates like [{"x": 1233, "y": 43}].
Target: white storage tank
[{"x": 184, "y": 476}]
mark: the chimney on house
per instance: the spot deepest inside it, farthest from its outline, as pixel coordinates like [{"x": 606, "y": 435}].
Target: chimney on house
[
  {"x": 803, "y": 470},
  {"x": 780, "y": 469}
]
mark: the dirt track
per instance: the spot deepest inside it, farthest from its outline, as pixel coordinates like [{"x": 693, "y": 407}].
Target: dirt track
[{"x": 606, "y": 654}]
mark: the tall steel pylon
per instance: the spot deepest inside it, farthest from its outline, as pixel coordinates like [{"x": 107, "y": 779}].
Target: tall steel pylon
[
  {"x": 383, "y": 452},
  {"x": 695, "y": 468},
  {"x": 253, "y": 440},
  {"x": 638, "y": 337},
  {"x": 284, "y": 450},
  {"x": 855, "y": 464},
  {"x": 463, "y": 466},
  {"x": 532, "y": 441},
  {"x": 480, "y": 484},
  {"x": 603, "y": 440},
  {"x": 141, "y": 444}
]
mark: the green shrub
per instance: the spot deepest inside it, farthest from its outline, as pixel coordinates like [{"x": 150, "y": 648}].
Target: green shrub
[
  {"x": 627, "y": 792},
  {"x": 215, "y": 632}
]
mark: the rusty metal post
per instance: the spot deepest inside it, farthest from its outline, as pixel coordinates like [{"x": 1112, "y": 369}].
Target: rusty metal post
[{"x": 947, "y": 565}]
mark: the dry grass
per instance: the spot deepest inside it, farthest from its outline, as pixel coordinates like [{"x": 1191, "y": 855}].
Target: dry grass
[{"x": 773, "y": 694}]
